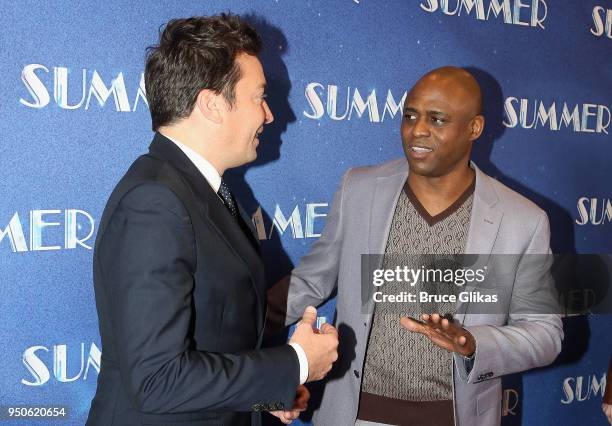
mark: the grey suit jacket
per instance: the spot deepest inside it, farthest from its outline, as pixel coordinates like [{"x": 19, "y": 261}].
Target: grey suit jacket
[{"x": 502, "y": 222}]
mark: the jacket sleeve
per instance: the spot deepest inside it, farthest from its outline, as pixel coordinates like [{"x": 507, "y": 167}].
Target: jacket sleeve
[
  {"x": 147, "y": 259},
  {"x": 316, "y": 276},
  {"x": 532, "y": 338}
]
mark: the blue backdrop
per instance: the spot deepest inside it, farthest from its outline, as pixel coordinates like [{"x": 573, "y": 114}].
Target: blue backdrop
[{"x": 74, "y": 116}]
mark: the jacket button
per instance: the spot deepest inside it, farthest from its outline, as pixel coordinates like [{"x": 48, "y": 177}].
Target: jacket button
[{"x": 356, "y": 373}]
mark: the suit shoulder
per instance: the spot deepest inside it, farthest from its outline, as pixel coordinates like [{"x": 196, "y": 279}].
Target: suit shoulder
[
  {"x": 148, "y": 182},
  {"x": 515, "y": 203},
  {"x": 147, "y": 168},
  {"x": 149, "y": 194},
  {"x": 150, "y": 171},
  {"x": 388, "y": 168}
]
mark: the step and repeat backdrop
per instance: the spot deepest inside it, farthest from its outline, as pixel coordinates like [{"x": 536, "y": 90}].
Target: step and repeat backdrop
[{"x": 74, "y": 115}]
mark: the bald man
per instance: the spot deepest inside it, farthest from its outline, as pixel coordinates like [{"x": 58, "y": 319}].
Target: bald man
[{"x": 413, "y": 367}]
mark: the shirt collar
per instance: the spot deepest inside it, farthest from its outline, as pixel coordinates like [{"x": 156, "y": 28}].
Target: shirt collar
[{"x": 209, "y": 172}]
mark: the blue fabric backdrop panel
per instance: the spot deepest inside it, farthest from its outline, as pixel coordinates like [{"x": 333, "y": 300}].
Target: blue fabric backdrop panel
[{"x": 74, "y": 116}]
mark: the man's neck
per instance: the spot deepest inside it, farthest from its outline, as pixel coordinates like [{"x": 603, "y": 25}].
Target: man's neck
[
  {"x": 438, "y": 193},
  {"x": 188, "y": 138}
]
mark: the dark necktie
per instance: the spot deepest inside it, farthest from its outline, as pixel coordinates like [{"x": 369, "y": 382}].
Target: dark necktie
[{"x": 228, "y": 199}]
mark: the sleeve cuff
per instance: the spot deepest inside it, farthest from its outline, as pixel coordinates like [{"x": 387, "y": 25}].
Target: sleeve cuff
[
  {"x": 468, "y": 362},
  {"x": 302, "y": 360}
]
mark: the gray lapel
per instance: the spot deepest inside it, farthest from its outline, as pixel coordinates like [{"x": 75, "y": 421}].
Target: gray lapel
[
  {"x": 387, "y": 190},
  {"x": 386, "y": 194},
  {"x": 486, "y": 216},
  {"x": 485, "y": 220}
]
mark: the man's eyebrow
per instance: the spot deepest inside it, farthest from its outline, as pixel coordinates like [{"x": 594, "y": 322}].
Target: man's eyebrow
[{"x": 429, "y": 112}]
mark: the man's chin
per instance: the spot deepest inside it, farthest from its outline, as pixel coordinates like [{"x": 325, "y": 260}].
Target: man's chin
[
  {"x": 252, "y": 157},
  {"x": 248, "y": 159},
  {"x": 421, "y": 167}
]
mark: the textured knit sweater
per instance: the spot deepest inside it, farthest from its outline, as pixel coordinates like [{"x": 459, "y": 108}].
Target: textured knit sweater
[{"x": 400, "y": 364}]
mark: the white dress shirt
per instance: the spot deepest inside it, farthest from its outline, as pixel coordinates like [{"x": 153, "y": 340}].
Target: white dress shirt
[
  {"x": 209, "y": 172},
  {"x": 213, "y": 178}
]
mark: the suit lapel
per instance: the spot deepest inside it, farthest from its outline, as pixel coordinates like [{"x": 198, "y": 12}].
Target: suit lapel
[
  {"x": 485, "y": 221},
  {"x": 485, "y": 218},
  {"x": 386, "y": 194},
  {"x": 249, "y": 228},
  {"x": 209, "y": 204}
]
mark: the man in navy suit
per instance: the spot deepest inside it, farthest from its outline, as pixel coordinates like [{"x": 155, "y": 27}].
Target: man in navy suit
[{"x": 179, "y": 282}]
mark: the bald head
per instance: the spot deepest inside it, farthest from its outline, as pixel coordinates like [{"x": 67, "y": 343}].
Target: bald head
[
  {"x": 442, "y": 117},
  {"x": 457, "y": 82}
]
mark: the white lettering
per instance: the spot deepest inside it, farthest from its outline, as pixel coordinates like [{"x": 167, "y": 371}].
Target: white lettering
[
  {"x": 142, "y": 93},
  {"x": 37, "y": 224},
  {"x": 60, "y": 88},
  {"x": 72, "y": 227},
  {"x": 392, "y": 107},
  {"x": 14, "y": 231},
  {"x": 602, "y": 28},
  {"x": 359, "y": 105},
  {"x": 590, "y": 118},
  {"x": 314, "y": 101},
  {"x": 99, "y": 90},
  {"x": 468, "y": 5},
  {"x": 311, "y": 215},
  {"x": 35, "y": 86},
  {"x": 568, "y": 391},
  {"x": 281, "y": 223},
  {"x": 530, "y": 13},
  {"x": 60, "y": 369},
  {"x": 35, "y": 366},
  {"x": 332, "y": 102}
]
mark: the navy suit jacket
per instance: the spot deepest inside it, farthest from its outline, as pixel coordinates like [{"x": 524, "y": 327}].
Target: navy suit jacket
[{"x": 180, "y": 295}]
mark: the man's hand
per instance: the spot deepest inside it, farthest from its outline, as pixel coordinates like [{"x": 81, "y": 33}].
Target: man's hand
[
  {"x": 300, "y": 404},
  {"x": 443, "y": 333},
  {"x": 321, "y": 348}
]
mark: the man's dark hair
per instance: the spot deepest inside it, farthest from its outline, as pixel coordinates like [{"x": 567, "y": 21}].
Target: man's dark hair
[{"x": 195, "y": 54}]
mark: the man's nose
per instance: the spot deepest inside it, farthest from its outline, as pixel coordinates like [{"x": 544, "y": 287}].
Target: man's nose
[
  {"x": 420, "y": 129},
  {"x": 268, "y": 112}
]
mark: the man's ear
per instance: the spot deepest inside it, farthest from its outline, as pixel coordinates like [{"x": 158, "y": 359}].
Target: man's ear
[
  {"x": 476, "y": 127},
  {"x": 210, "y": 105}
]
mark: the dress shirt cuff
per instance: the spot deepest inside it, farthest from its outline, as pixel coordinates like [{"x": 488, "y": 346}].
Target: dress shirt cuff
[
  {"x": 468, "y": 361},
  {"x": 302, "y": 360}
]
